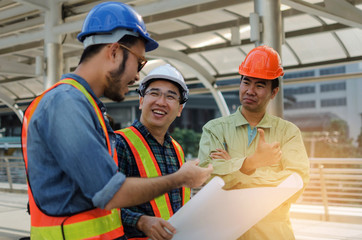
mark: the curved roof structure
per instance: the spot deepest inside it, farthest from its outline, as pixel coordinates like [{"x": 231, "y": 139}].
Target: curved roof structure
[{"x": 205, "y": 39}]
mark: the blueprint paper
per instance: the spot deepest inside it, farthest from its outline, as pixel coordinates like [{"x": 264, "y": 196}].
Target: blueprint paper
[{"x": 214, "y": 213}]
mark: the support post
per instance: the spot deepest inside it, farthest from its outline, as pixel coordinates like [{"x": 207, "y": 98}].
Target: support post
[
  {"x": 271, "y": 35},
  {"x": 53, "y": 47},
  {"x": 324, "y": 193}
]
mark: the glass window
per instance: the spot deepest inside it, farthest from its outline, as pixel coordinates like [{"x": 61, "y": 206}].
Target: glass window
[
  {"x": 334, "y": 70},
  {"x": 329, "y": 87},
  {"x": 301, "y": 105},
  {"x": 299, "y": 90},
  {"x": 299, "y": 74},
  {"x": 333, "y": 102}
]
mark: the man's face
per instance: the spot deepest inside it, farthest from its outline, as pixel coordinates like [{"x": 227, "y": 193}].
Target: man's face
[
  {"x": 255, "y": 94},
  {"x": 160, "y": 105},
  {"x": 125, "y": 74}
]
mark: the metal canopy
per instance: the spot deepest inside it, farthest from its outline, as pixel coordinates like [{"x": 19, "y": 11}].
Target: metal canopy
[{"x": 205, "y": 39}]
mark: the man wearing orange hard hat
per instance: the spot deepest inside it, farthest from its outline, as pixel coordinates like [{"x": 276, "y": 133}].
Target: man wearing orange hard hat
[{"x": 251, "y": 148}]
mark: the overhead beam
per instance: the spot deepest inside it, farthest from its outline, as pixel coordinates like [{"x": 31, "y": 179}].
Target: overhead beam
[
  {"x": 39, "y": 4},
  {"x": 22, "y": 26},
  {"x": 149, "y": 11},
  {"x": 201, "y": 73},
  {"x": 336, "y": 10},
  {"x": 19, "y": 10},
  {"x": 12, "y": 105},
  {"x": 297, "y": 33},
  {"x": 195, "y": 30},
  {"x": 22, "y": 47},
  {"x": 15, "y": 68},
  {"x": 182, "y": 10}
]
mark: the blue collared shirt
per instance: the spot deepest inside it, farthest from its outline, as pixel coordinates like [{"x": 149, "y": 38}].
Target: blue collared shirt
[{"x": 69, "y": 167}]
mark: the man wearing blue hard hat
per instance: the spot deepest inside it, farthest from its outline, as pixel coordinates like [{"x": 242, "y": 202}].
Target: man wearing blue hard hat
[{"x": 69, "y": 147}]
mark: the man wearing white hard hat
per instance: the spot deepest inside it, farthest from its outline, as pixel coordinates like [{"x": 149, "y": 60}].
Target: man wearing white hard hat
[
  {"x": 147, "y": 150},
  {"x": 74, "y": 184}
]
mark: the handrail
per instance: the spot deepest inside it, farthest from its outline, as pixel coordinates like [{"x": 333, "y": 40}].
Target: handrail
[
  {"x": 332, "y": 185},
  {"x": 324, "y": 193},
  {"x": 12, "y": 174},
  {"x": 334, "y": 181}
]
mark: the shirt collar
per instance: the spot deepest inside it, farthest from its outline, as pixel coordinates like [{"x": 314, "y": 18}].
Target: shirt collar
[
  {"x": 144, "y": 131},
  {"x": 240, "y": 120},
  {"x": 87, "y": 87}
]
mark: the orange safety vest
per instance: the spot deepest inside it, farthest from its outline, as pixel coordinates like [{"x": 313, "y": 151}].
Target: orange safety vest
[
  {"x": 92, "y": 224},
  {"x": 148, "y": 167}
]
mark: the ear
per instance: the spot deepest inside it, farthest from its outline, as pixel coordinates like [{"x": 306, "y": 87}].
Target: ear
[
  {"x": 140, "y": 103},
  {"x": 274, "y": 92},
  {"x": 181, "y": 107},
  {"x": 112, "y": 51}
]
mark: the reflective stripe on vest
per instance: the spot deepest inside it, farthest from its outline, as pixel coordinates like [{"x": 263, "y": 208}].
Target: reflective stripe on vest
[
  {"x": 93, "y": 224},
  {"x": 148, "y": 167},
  {"x": 186, "y": 192}
]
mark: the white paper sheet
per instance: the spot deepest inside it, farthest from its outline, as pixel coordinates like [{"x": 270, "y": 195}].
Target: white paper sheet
[{"x": 215, "y": 214}]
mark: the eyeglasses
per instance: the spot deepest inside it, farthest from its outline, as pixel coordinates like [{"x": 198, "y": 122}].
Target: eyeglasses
[
  {"x": 156, "y": 93},
  {"x": 141, "y": 59}
]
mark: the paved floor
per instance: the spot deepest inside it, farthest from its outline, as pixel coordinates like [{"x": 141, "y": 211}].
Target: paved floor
[
  {"x": 14, "y": 220},
  {"x": 14, "y": 223}
]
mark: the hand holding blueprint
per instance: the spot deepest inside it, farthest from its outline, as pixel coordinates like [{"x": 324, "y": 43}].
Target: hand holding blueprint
[{"x": 215, "y": 214}]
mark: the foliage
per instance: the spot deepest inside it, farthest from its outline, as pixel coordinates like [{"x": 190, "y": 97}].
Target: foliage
[
  {"x": 339, "y": 128},
  {"x": 332, "y": 143},
  {"x": 359, "y": 139},
  {"x": 188, "y": 139}
]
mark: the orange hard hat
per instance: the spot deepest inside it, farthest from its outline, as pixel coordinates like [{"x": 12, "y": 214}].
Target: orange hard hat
[{"x": 262, "y": 62}]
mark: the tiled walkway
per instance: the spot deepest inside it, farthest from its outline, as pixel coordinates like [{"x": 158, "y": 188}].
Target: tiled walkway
[{"x": 14, "y": 223}]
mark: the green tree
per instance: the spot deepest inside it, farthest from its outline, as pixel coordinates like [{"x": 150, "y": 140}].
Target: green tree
[
  {"x": 333, "y": 142},
  {"x": 338, "y": 128},
  {"x": 359, "y": 139},
  {"x": 188, "y": 139}
]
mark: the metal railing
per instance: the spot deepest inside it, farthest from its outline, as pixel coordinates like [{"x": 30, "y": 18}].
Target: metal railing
[
  {"x": 334, "y": 182},
  {"x": 12, "y": 174}
]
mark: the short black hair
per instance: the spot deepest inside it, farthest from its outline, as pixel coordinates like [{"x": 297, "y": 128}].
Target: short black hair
[{"x": 275, "y": 83}]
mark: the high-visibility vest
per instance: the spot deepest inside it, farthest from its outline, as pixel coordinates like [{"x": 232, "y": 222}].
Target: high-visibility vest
[
  {"x": 92, "y": 224},
  {"x": 148, "y": 168}
]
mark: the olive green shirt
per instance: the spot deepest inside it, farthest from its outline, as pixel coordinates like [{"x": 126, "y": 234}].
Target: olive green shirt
[{"x": 231, "y": 133}]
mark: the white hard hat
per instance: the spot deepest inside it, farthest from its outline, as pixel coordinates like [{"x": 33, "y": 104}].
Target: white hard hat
[{"x": 168, "y": 73}]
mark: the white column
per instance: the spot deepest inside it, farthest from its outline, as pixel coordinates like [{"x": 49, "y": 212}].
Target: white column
[
  {"x": 52, "y": 44},
  {"x": 271, "y": 35}
]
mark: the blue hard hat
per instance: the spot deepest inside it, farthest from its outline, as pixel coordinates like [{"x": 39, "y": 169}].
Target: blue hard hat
[{"x": 109, "y": 16}]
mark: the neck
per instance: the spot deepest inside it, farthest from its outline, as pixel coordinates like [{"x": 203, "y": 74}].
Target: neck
[
  {"x": 92, "y": 73},
  {"x": 92, "y": 79},
  {"x": 157, "y": 132},
  {"x": 253, "y": 118}
]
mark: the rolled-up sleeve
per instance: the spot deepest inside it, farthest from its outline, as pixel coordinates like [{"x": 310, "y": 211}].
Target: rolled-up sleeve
[
  {"x": 79, "y": 144},
  {"x": 102, "y": 197}
]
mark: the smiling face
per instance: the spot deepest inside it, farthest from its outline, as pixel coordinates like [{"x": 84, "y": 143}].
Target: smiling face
[
  {"x": 124, "y": 73},
  {"x": 160, "y": 105},
  {"x": 255, "y": 94}
]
